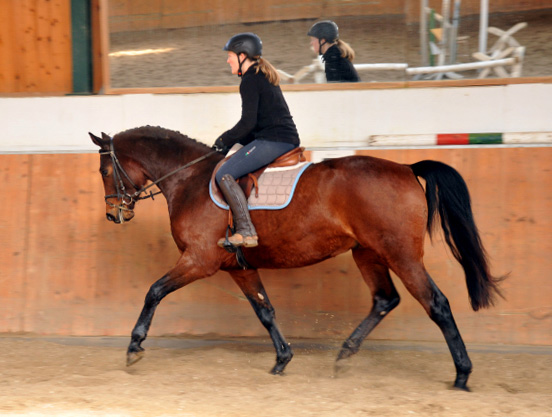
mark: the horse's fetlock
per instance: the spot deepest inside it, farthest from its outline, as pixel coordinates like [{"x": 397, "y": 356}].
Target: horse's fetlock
[
  {"x": 464, "y": 368},
  {"x": 139, "y": 333},
  {"x": 135, "y": 348}
]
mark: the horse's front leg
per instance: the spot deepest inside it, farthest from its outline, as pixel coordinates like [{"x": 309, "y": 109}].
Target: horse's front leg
[
  {"x": 170, "y": 282},
  {"x": 250, "y": 283}
]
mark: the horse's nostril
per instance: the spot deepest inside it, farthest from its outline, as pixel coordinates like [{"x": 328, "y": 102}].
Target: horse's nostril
[{"x": 110, "y": 217}]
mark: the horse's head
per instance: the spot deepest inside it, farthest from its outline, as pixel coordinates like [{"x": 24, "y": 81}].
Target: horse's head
[{"x": 121, "y": 182}]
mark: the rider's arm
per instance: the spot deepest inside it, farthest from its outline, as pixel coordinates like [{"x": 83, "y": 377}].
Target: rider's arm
[{"x": 249, "y": 92}]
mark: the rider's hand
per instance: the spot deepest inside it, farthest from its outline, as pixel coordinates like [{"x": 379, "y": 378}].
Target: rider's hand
[{"x": 219, "y": 146}]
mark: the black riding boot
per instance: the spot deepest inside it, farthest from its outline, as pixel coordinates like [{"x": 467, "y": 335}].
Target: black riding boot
[{"x": 245, "y": 234}]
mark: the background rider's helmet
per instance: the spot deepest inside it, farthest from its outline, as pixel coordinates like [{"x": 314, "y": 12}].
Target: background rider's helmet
[
  {"x": 325, "y": 29},
  {"x": 247, "y": 43}
]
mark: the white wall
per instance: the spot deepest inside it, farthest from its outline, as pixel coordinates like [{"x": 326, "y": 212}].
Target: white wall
[{"x": 336, "y": 118}]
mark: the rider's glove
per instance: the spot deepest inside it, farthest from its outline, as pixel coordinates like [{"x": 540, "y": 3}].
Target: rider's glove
[{"x": 219, "y": 146}]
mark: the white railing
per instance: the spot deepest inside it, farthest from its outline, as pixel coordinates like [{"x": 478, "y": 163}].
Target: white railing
[
  {"x": 496, "y": 62},
  {"x": 505, "y": 52}
]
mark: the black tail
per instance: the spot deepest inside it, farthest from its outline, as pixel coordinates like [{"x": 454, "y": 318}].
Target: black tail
[{"x": 447, "y": 193}]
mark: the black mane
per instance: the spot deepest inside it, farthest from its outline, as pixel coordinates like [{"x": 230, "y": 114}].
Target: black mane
[{"x": 161, "y": 133}]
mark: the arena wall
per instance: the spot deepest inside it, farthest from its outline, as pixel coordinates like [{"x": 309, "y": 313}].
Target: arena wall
[
  {"x": 35, "y": 52},
  {"x": 67, "y": 271},
  {"x": 333, "y": 117}
]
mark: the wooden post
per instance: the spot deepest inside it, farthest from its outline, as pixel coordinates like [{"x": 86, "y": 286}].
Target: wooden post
[
  {"x": 454, "y": 32},
  {"x": 104, "y": 41},
  {"x": 424, "y": 43}
]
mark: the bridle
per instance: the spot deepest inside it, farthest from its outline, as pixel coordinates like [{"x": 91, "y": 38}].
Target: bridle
[{"x": 126, "y": 199}]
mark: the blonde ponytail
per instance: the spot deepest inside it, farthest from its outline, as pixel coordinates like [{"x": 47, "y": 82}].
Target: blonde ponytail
[
  {"x": 346, "y": 50},
  {"x": 268, "y": 70}
]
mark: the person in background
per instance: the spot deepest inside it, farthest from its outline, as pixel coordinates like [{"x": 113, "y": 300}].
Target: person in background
[
  {"x": 336, "y": 54},
  {"x": 266, "y": 129}
]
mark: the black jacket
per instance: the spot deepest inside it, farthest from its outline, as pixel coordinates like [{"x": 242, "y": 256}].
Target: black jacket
[
  {"x": 265, "y": 114},
  {"x": 338, "y": 69}
]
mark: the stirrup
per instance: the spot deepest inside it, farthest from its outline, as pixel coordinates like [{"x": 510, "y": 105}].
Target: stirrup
[{"x": 224, "y": 243}]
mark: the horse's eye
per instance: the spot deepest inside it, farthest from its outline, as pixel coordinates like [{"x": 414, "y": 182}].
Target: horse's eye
[{"x": 104, "y": 172}]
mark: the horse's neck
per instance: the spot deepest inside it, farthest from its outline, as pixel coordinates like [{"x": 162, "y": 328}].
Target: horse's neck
[
  {"x": 179, "y": 178},
  {"x": 161, "y": 166}
]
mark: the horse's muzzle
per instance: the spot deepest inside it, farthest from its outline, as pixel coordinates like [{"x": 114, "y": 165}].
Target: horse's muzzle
[
  {"x": 110, "y": 217},
  {"x": 119, "y": 216}
]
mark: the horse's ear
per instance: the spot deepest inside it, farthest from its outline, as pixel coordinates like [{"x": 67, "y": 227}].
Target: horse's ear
[
  {"x": 106, "y": 137},
  {"x": 101, "y": 142}
]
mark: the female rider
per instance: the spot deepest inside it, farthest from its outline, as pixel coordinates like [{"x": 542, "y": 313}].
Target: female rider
[
  {"x": 336, "y": 54},
  {"x": 266, "y": 129}
]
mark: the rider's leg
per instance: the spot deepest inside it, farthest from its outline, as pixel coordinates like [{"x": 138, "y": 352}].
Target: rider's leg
[
  {"x": 248, "y": 159},
  {"x": 245, "y": 234}
]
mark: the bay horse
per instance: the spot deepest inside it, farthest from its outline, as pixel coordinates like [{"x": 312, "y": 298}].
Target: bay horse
[{"x": 374, "y": 207}]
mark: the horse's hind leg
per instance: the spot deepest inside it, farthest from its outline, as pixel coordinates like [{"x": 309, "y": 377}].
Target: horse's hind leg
[
  {"x": 251, "y": 285},
  {"x": 421, "y": 286},
  {"x": 384, "y": 296}
]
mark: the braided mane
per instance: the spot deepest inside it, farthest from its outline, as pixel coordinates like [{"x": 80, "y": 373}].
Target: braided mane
[{"x": 159, "y": 133}]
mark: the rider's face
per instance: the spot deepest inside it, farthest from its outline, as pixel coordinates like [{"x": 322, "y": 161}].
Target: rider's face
[
  {"x": 315, "y": 44},
  {"x": 233, "y": 62}
]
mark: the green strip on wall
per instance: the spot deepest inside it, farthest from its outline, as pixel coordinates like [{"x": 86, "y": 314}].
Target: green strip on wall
[
  {"x": 81, "y": 46},
  {"x": 484, "y": 138}
]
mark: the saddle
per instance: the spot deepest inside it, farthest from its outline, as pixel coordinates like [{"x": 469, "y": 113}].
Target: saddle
[
  {"x": 283, "y": 173},
  {"x": 289, "y": 159}
]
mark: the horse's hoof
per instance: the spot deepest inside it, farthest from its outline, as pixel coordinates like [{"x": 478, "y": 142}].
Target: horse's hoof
[
  {"x": 133, "y": 357},
  {"x": 342, "y": 366},
  {"x": 345, "y": 353},
  {"x": 461, "y": 382},
  {"x": 461, "y": 388},
  {"x": 278, "y": 369},
  {"x": 281, "y": 363}
]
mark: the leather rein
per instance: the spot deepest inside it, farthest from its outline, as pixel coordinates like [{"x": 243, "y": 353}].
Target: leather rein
[{"x": 125, "y": 197}]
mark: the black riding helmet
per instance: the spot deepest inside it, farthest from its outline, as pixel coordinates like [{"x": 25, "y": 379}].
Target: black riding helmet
[
  {"x": 327, "y": 30},
  {"x": 247, "y": 43}
]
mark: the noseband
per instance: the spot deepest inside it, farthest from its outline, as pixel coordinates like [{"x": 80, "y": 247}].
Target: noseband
[{"x": 126, "y": 199}]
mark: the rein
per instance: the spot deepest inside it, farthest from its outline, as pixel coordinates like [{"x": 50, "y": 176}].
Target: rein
[{"x": 128, "y": 199}]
